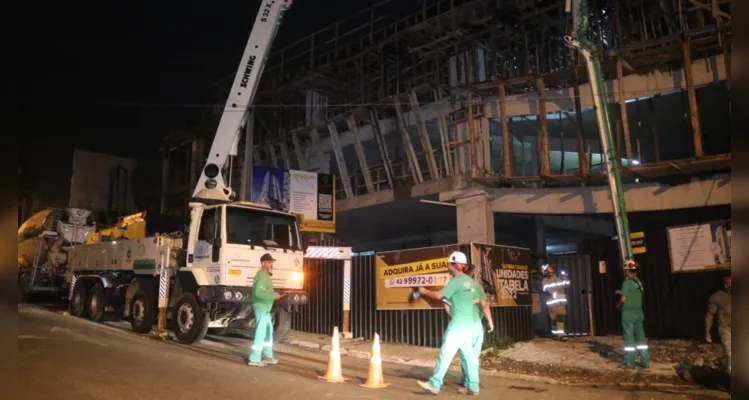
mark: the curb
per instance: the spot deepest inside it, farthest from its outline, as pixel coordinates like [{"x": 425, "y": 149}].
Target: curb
[{"x": 488, "y": 372}]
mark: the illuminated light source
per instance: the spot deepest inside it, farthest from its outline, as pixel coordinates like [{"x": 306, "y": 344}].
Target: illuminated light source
[
  {"x": 297, "y": 276},
  {"x": 635, "y": 162}
]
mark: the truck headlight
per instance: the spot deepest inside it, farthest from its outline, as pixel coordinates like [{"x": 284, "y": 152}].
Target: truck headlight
[
  {"x": 238, "y": 295},
  {"x": 297, "y": 276},
  {"x": 228, "y": 295}
]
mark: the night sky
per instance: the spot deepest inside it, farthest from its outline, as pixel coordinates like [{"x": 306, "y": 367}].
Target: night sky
[{"x": 116, "y": 78}]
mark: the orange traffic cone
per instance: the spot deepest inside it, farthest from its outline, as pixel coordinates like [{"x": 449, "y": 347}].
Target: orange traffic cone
[
  {"x": 374, "y": 377},
  {"x": 334, "y": 374}
]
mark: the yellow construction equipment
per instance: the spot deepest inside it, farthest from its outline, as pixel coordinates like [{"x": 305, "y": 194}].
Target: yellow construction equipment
[{"x": 129, "y": 227}]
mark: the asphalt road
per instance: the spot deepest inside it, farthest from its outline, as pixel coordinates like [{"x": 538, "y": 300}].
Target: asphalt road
[{"x": 63, "y": 357}]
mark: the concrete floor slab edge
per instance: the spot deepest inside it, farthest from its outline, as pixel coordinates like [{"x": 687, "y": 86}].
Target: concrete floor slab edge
[{"x": 485, "y": 372}]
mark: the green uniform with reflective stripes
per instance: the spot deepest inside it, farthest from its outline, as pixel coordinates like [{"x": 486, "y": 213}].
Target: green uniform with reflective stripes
[
  {"x": 461, "y": 334},
  {"x": 262, "y": 303},
  {"x": 632, "y": 323},
  {"x": 478, "y": 316}
]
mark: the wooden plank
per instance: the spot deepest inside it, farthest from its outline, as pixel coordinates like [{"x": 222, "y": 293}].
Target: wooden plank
[
  {"x": 506, "y": 139},
  {"x": 408, "y": 146},
  {"x": 623, "y": 114},
  {"x": 581, "y": 153},
  {"x": 363, "y": 164},
  {"x": 444, "y": 136},
  {"x": 285, "y": 159},
  {"x": 694, "y": 113},
  {"x": 426, "y": 144},
  {"x": 342, "y": 169},
  {"x": 543, "y": 133},
  {"x": 382, "y": 147}
]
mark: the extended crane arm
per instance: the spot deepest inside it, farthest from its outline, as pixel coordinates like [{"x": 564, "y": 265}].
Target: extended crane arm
[{"x": 211, "y": 185}]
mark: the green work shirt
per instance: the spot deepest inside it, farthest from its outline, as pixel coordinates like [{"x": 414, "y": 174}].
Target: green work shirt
[
  {"x": 478, "y": 314},
  {"x": 262, "y": 291},
  {"x": 460, "y": 291},
  {"x": 633, "y": 293}
]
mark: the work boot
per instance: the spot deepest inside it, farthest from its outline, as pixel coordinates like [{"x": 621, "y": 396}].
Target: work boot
[
  {"x": 467, "y": 392},
  {"x": 626, "y": 366},
  {"x": 255, "y": 364},
  {"x": 428, "y": 387},
  {"x": 271, "y": 361}
]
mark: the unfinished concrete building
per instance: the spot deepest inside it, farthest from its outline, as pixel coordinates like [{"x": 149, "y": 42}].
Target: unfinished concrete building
[{"x": 480, "y": 103}]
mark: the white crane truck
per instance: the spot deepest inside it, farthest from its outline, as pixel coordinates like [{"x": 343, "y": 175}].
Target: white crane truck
[{"x": 207, "y": 281}]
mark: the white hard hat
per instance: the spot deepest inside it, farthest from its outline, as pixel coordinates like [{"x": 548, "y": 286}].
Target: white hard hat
[
  {"x": 457, "y": 257},
  {"x": 545, "y": 267}
]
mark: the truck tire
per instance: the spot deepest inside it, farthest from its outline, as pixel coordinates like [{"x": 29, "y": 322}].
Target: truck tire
[
  {"x": 142, "y": 312},
  {"x": 77, "y": 303},
  {"x": 96, "y": 302},
  {"x": 190, "y": 321},
  {"x": 281, "y": 324}
]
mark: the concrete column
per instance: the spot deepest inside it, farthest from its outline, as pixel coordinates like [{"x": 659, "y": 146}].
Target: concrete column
[{"x": 475, "y": 219}]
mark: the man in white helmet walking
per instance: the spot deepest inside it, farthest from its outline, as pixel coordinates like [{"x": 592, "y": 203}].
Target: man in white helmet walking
[{"x": 462, "y": 332}]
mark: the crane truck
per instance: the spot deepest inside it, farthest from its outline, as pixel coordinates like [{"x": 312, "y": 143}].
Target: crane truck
[{"x": 203, "y": 280}]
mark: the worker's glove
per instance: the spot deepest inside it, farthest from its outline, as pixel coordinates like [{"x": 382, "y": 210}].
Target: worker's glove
[
  {"x": 490, "y": 327},
  {"x": 708, "y": 338}
]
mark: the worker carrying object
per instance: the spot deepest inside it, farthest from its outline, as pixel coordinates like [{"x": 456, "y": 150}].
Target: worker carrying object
[
  {"x": 263, "y": 297},
  {"x": 720, "y": 304},
  {"x": 462, "y": 332},
  {"x": 633, "y": 317},
  {"x": 556, "y": 300}
]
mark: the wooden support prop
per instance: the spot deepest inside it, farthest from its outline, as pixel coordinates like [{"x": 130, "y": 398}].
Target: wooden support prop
[
  {"x": 623, "y": 113},
  {"x": 340, "y": 160},
  {"x": 426, "y": 144},
  {"x": 359, "y": 147},
  {"x": 543, "y": 133},
  {"x": 581, "y": 148},
  {"x": 408, "y": 146},
  {"x": 694, "y": 113},
  {"x": 387, "y": 165},
  {"x": 506, "y": 138}
]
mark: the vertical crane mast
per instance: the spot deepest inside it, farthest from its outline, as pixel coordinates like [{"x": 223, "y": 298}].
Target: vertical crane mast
[
  {"x": 211, "y": 185},
  {"x": 589, "y": 50}
]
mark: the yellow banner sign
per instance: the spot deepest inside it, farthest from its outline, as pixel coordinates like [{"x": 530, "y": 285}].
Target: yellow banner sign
[{"x": 414, "y": 268}]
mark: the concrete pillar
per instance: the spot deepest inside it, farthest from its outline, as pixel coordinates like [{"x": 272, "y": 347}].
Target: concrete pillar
[{"x": 475, "y": 219}]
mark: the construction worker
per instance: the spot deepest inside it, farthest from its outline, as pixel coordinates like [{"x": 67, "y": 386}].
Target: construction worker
[
  {"x": 720, "y": 303},
  {"x": 263, "y": 297},
  {"x": 482, "y": 303},
  {"x": 461, "y": 334},
  {"x": 633, "y": 317},
  {"x": 556, "y": 300}
]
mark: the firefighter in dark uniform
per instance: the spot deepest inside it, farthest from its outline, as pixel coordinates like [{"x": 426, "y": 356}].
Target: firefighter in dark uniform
[
  {"x": 556, "y": 300},
  {"x": 633, "y": 317}
]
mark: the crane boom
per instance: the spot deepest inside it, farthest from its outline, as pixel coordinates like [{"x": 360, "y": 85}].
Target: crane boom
[{"x": 211, "y": 184}]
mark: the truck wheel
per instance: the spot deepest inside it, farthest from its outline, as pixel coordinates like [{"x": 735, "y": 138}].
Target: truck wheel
[
  {"x": 142, "y": 312},
  {"x": 96, "y": 302},
  {"x": 281, "y": 324},
  {"x": 78, "y": 301},
  {"x": 190, "y": 321}
]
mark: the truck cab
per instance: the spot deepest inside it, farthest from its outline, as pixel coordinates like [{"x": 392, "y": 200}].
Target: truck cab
[{"x": 223, "y": 253}]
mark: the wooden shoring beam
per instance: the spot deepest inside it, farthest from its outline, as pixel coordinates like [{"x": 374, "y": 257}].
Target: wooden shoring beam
[
  {"x": 272, "y": 153},
  {"x": 301, "y": 160},
  {"x": 544, "y": 158},
  {"x": 382, "y": 147},
  {"x": 623, "y": 111},
  {"x": 359, "y": 147},
  {"x": 340, "y": 160},
  {"x": 426, "y": 144},
  {"x": 506, "y": 139},
  {"x": 285, "y": 153},
  {"x": 408, "y": 146},
  {"x": 444, "y": 136},
  {"x": 694, "y": 112}
]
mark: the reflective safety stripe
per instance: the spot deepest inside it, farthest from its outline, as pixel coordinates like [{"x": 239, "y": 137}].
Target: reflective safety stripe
[
  {"x": 556, "y": 284},
  {"x": 268, "y": 344},
  {"x": 257, "y": 347},
  {"x": 557, "y": 332},
  {"x": 375, "y": 360},
  {"x": 335, "y": 353},
  {"x": 629, "y": 349},
  {"x": 556, "y": 301},
  {"x": 642, "y": 347}
]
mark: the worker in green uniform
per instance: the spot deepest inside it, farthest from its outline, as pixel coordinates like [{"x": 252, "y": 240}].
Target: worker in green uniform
[
  {"x": 263, "y": 297},
  {"x": 461, "y": 334},
  {"x": 633, "y": 317},
  {"x": 482, "y": 303}
]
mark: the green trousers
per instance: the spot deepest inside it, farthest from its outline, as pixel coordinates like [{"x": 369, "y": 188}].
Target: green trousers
[
  {"x": 476, "y": 345},
  {"x": 634, "y": 337},
  {"x": 459, "y": 337},
  {"x": 262, "y": 345}
]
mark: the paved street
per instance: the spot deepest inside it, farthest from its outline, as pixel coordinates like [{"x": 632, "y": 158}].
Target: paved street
[{"x": 62, "y": 357}]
